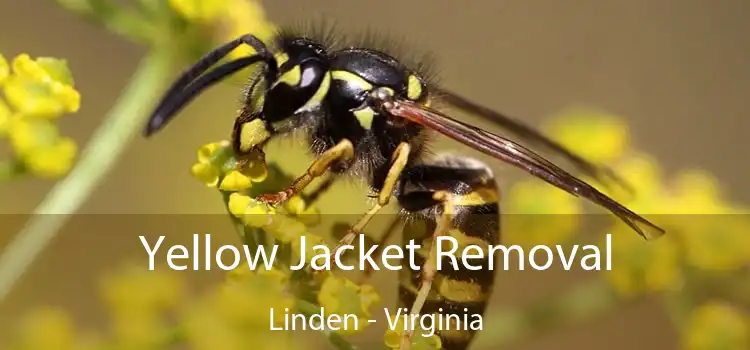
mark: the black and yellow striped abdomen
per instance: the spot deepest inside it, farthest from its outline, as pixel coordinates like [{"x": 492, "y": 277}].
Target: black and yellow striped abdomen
[{"x": 458, "y": 293}]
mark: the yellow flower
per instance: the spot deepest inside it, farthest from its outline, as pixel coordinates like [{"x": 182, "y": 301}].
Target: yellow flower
[
  {"x": 235, "y": 181},
  {"x": 244, "y": 17},
  {"x": 716, "y": 325},
  {"x": 27, "y": 135},
  {"x": 37, "y": 92},
  {"x": 138, "y": 300},
  {"x": 136, "y": 290},
  {"x": 539, "y": 214},
  {"x": 697, "y": 192},
  {"x": 285, "y": 229},
  {"x": 642, "y": 172},
  {"x": 52, "y": 161},
  {"x": 44, "y": 69},
  {"x": 251, "y": 212},
  {"x": 234, "y": 18},
  {"x": 239, "y": 203},
  {"x": 716, "y": 242},
  {"x": 139, "y": 330},
  {"x": 276, "y": 277},
  {"x": 41, "y": 88},
  {"x": 393, "y": 338},
  {"x": 238, "y": 313},
  {"x": 713, "y": 237},
  {"x": 4, "y": 69},
  {"x": 311, "y": 240},
  {"x": 640, "y": 266},
  {"x": 341, "y": 296},
  {"x": 297, "y": 207},
  {"x": 537, "y": 197},
  {"x": 209, "y": 150},
  {"x": 199, "y": 10},
  {"x": 206, "y": 173},
  {"x": 47, "y": 329},
  {"x": 6, "y": 117},
  {"x": 235, "y": 305},
  {"x": 265, "y": 289},
  {"x": 597, "y": 136},
  {"x": 211, "y": 158},
  {"x": 215, "y": 161},
  {"x": 38, "y": 144}
]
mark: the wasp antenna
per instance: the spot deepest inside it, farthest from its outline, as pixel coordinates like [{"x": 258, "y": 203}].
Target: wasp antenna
[
  {"x": 169, "y": 107},
  {"x": 191, "y": 83}
]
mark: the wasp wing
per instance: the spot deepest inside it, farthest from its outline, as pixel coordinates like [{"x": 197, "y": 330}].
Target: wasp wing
[
  {"x": 519, "y": 156},
  {"x": 529, "y": 134}
]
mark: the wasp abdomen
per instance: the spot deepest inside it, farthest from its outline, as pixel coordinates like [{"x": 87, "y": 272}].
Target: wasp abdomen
[{"x": 461, "y": 287}]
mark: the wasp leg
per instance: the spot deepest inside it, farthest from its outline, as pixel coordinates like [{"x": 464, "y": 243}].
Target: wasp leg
[
  {"x": 398, "y": 163},
  {"x": 429, "y": 269},
  {"x": 341, "y": 152}
]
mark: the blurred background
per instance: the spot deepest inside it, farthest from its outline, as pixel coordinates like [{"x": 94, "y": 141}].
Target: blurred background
[{"x": 675, "y": 71}]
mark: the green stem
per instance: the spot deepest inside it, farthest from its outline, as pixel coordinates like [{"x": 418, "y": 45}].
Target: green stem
[{"x": 96, "y": 161}]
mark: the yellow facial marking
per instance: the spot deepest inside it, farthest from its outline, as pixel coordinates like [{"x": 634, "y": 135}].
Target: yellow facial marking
[
  {"x": 365, "y": 117},
  {"x": 351, "y": 78},
  {"x": 291, "y": 77},
  {"x": 414, "y": 88},
  {"x": 320, "y": 94},
  {"x": 252, "y": 134},
  {"x": 478, "y": 197},
  {"x": 281, "y": 58}
]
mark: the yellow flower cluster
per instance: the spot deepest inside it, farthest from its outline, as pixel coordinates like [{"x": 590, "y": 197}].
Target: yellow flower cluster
[
  {"x": 216, "y": 167},
  {"x": 152, "y": 310},
  {"x": 234, "y": 18},
  {"x": 393, "y": 338},
  {"x": 640, "y": 267},
  {"x": 139, "y": 301},
  {"x": 36, "y": 93},
  {"x": 229, "y": 317},
  {"x": 215, "y": 162},
  {"x": 716, "y": 325},
  {"x": 537, "y": 213},
  {"x": 702, "y": 232},
  {"x": 48, "y": 328},
  {"x": 341, "y": 296}
]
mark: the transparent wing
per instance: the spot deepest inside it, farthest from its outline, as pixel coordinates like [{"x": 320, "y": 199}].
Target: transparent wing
[
  {"x": 519, "y": 156},
  {"x": 529, "y": 134}
]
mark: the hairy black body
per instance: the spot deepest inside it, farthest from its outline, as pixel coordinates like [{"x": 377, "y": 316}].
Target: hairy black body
[{"x": 353, "y": 72}]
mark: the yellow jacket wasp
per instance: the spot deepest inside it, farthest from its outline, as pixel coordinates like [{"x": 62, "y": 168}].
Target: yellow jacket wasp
[{"x": 367, "y": 114}]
